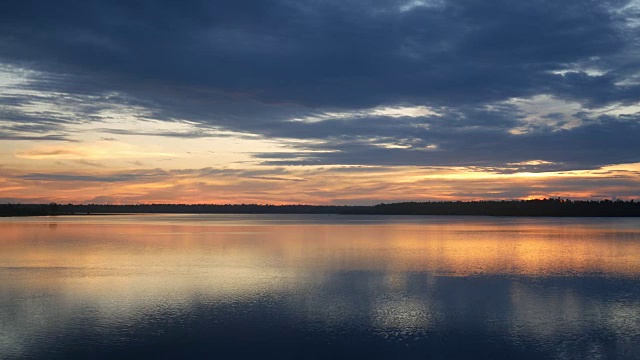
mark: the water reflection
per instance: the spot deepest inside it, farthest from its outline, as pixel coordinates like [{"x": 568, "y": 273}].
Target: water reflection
[{"x": 313, "y": 287}]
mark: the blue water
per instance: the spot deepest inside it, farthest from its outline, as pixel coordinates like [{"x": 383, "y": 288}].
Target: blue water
[{"x": 277, "y": 286}]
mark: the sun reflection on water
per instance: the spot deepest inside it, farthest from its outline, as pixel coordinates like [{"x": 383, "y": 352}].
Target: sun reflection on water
[{"x": 401, "y": 280}]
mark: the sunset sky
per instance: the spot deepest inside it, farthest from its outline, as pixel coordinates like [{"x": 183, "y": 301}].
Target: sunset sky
[{"x": 318, "y": 101}]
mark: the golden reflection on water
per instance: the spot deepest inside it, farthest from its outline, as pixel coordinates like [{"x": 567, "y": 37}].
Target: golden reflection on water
[
  {"x": 403, "y": 278},
  {"x": 533, "y": 248}
]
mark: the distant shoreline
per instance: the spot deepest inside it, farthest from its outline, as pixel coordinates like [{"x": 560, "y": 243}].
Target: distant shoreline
[{"x": 531, "y": 208}]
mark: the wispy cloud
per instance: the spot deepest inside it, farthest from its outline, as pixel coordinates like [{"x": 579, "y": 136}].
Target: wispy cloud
[{"x": 85, "y": 152}]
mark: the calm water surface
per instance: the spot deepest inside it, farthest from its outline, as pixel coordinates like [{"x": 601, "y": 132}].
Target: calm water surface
[{"x": 258, "y": 286}]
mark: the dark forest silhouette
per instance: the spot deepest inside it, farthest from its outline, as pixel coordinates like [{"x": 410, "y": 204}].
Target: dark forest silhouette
[{"x": 543, "y": 207}]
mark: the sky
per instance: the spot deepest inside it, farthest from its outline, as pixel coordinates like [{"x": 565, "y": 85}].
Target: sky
[{"x": 318, "y": 101}]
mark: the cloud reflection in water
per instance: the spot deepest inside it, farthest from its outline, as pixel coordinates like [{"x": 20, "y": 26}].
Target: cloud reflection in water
[{"x": 309, "y": 287}]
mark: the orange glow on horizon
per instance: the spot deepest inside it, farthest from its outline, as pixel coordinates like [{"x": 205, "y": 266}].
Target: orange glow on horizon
[{"x": 309, "y": 185}]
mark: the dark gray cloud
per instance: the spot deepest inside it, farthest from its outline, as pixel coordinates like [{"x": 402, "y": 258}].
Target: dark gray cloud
[
  {"x": 10, "y": 136},
  {"x": 148, "y": 175},
  {"x": 253, "y": 66},
  {"x": 151, "y": 175},
  {"x": 331, "y": 53},
  {"x": 46, "y": 115},
  {"x": 606, "y": 141}
]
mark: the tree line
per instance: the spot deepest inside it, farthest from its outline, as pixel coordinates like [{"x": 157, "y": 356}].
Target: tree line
[{"x": 541, "y": 207}]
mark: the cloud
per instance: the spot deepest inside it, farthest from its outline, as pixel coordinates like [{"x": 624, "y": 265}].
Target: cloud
[
  {"x": 18, "y": 137},
  {"x": 86, "y": 151},
  {"x": 91, "y": 178},
  {"x": 607, "y": 140},
  {"x": 155, "y": 175},
  {"x": 509, "y": 86},
  {"x": 333, "y": 53}
]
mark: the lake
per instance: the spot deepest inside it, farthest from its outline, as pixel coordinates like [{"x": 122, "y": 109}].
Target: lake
[{"x": 319, "y": 286}]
